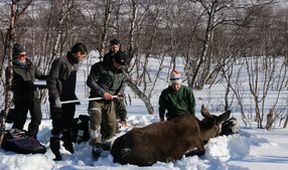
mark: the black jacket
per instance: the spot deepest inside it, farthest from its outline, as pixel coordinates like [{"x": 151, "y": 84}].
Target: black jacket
[
  {"x": 61, "y": 80},
  {"x": 24, "y": 76}
]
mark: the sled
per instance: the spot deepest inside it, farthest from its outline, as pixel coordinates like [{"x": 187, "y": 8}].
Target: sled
[{"x": 18, "y": 141}]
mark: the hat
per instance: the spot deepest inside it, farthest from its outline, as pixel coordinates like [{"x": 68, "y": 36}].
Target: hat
[
  {"x": 114, "y": 42},
  {"x": 175, "y": 77},
  {"x": 17, "y": 50},
  {"x": 121, "y": 57}
]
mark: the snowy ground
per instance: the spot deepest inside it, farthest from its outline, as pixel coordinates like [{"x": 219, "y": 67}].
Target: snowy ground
[{"x": 252, "y": 148}]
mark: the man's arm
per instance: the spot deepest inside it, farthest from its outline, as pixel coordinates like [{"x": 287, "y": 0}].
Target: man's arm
[
  {"x": 93, "y": 79},
  {"x": 53, "y": 78},
  {"x": 162, "y": 107},
  {"x": 191, "y": 101}
]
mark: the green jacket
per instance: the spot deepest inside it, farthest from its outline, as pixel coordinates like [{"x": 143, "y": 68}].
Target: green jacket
[{"x": 176, "y": 102}]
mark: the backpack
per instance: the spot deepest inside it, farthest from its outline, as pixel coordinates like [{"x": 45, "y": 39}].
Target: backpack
[
  {"x": 18, "y": 141},
  {"x": 80, "y": 129}
]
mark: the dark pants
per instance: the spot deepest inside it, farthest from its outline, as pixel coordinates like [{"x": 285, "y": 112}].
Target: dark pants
[
  {"x": 21, "y": 110},
  {"x": 121, "y": 112},
  {"x": 64, "y": 121}
]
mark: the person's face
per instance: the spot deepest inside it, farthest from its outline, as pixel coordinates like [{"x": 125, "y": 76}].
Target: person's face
[
  {"x": 116, "y": 65},
  {"x": 115, "y": 48},
  {"x": 80, "y": 56},
  {"x": 176, "y": 86},
  {"x": 22, "y": 57}
]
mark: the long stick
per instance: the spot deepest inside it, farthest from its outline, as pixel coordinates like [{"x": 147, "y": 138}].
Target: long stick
[{"x": 86, "y": 99}]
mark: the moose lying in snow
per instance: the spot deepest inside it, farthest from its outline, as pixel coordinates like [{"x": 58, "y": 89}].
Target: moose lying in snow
[{"x": 167, "y": 140}]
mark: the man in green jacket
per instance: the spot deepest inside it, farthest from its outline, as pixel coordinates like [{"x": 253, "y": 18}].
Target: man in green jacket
[
  {"x": 177, "y": 99},
  {"x": 105, "y": 80}
]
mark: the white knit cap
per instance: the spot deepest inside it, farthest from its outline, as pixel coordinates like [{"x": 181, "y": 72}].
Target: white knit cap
[{"x": 175, "y": 77}]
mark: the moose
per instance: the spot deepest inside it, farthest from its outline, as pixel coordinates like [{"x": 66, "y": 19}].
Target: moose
[{"x": 167, "y": 141}]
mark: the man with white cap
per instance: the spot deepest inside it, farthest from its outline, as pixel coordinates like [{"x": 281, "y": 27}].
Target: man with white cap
[{"x": 177, "y": 99}]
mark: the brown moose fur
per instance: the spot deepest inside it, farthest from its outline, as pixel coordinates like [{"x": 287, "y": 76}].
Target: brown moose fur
[{"x": 167, "y": 140}]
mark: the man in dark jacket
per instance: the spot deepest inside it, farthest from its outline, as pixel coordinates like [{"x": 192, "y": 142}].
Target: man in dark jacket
[
  {"x": 61, "y": 84},
  {"x": 177, "y": 99},
  {"x": 105, "y": 80},
  {"x": 121, "y": 111},
  {"x": 25, "y": 94}
]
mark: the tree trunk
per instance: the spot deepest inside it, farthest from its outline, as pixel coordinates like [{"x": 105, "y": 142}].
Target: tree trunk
[
  {"x": 286, "y": 123},
  {"x": 270, "y": 120},
  {"x": 141, "y": 95},
  {"x": 8, "y": 93},
  {"x": 108, "y": 8}
]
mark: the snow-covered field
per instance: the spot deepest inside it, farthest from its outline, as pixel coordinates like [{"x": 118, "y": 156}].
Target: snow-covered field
[{"x": 252, "y": 148}]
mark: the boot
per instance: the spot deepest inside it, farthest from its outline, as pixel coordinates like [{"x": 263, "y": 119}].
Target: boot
[
  {"x": 55, "y": 147},
  {"x": 106, "y": 145},
  {"x": 96, "y": 151},
  {"x": 32, "y": 132},
  {"x": 67, "y": 139}
]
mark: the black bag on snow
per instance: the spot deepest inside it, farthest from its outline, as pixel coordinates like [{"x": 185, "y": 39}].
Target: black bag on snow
[
  {"x": 80, "y": 129},
  {"x": 19, "y": 142}
]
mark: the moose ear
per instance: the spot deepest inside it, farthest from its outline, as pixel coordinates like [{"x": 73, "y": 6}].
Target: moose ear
[
  {"x": 224, "y": 116},
  {"x": 205, "y": 112}
]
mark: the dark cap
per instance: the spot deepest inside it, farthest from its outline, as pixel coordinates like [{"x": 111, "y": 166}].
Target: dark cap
[
  {"x": 114, "y": 42},
  {"x": 121, "y": 57},
  {"x": 17, "y": 50}
]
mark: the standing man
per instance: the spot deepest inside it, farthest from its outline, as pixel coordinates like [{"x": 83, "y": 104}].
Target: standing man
[
  {"x": 25, "y": 94},
  {"x": 121, "y": 112},
  {"x": 105, "y": 80},
  {"x": 61, "y": 85},
  {"x": 177, "y": 99}
]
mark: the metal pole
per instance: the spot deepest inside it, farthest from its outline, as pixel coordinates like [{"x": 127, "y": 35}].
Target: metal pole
[{"x": 86, "y": 99}]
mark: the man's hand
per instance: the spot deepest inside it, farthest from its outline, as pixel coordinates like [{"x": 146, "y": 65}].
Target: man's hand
[{"x": 107, "y": 96}]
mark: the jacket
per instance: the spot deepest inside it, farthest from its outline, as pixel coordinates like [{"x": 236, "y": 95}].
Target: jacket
[
  {"x": 104, "y": 78},
  {"x": 176, "y": 102},
  {"x": 61, "y": 80},
  {"x": 24, "y": 75}
]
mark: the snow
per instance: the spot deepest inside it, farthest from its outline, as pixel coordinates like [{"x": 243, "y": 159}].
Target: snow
[{"x": 251, "y": 148}]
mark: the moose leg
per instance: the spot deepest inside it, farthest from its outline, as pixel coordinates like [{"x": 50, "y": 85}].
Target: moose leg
[{"x": 198, "y": 149}]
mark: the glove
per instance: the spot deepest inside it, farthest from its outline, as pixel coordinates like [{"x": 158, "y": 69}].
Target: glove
[{"x": 57, "y": 103}]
